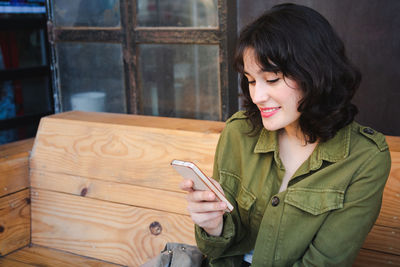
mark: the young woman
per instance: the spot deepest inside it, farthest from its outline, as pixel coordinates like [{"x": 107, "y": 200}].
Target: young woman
[{"x": 306, "y": 180}]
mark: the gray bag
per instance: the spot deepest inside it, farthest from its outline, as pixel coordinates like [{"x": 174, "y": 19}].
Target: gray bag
[{"x": 176, "y": 254}]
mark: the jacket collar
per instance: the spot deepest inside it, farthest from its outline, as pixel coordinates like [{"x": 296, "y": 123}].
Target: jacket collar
[{"x": 333, "y": 150}]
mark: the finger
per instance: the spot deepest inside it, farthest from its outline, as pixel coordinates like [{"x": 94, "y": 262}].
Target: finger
[
  {"x": 217, "y": 185},
  {"x": 186, "y": 185},
  {"x": 200, "y": 195},
  {"x": 204, "y": 218},
  {"x": 204, "y": 207}
]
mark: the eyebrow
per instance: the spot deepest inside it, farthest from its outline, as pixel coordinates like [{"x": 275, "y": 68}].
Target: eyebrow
[
  {"x": 245, "y": 72},
  {"x": 261, "y": 71}
]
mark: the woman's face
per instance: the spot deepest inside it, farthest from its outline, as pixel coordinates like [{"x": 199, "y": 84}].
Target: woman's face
[{"x": 277, "y": 97}]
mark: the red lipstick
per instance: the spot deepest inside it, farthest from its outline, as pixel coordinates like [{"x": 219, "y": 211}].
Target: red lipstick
[{"x": 268, "y": 112}]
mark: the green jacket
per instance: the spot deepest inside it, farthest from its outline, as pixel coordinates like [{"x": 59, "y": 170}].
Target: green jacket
[{"x": 322, "y": 219}]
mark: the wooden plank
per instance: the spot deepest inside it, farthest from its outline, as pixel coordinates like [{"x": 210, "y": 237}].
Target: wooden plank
[
  {"x": 110, "y": 191},
  {"x": 383, "y": 239},
  {"x": 14, "y": 173},
  {"x": 17, "y": 147},
  {"x": 41, "y": 256},
  {"x": 394, "y": 143},
  {"x": 109, "y": 231},
  {"x": 14, "y": 166},
  {"x": 372, "y": 258},
  {"x": 6, "y": 262},
  {"x": 201, "y": 126},
  {"x": 14, "y": 221},
  {"x": 126, "y": 154},
  {"x": 390, "y": 212}
]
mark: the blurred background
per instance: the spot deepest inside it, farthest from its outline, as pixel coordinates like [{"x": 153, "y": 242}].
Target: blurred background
[{"x": 167, "y": 58}]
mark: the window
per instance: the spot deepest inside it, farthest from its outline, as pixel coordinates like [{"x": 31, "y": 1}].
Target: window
[{"x": 152, "y": 57}]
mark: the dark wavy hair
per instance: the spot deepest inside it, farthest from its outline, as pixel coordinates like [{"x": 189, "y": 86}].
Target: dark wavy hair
[{"x": 301, "y": 44}]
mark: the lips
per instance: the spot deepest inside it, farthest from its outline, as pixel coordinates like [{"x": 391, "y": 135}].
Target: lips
[{"x": 268, "y": 112}]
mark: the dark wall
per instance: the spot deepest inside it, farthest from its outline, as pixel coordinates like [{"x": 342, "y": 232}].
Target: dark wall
[{"x": 370, "y": 30}]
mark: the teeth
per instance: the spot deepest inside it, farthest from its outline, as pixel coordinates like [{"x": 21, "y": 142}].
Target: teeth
[{"x": 268, "y": 109}]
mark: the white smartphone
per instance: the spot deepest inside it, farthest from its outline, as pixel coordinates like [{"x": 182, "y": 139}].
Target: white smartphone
[{"x": 189, "y": 170}]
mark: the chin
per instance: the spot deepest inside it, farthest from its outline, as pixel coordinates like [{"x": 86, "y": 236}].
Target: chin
[{"x": 271, "y": 126}]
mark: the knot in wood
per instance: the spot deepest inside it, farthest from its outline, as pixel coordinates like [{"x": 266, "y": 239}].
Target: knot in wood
[
  {"x": 84, "y": 192},
  {"x": 1, "y": 228},
  {"x": 155, "y": 228}
]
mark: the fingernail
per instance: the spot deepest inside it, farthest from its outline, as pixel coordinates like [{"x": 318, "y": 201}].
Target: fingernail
[{"x": 210, "y": 196}]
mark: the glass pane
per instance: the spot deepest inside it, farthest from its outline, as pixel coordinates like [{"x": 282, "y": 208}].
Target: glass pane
[
  {"x": 91, "y": 77},
  {"x": 180, "y": 80},
  {"x": 173, "y": 13},
  {"x": 22, "y": 48},
  {"x": 87, "y": 13}
]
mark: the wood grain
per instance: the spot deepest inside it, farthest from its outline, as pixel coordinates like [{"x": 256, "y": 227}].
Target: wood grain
[
  {"x": 14, "y": 166},
  {"x": 394, "y": 143},
  {"x": 125, "y": 154},
  {"x": 372, "y": 258},
  {"x": 200, "y": 126},
  {"x": 41, "y": 256},
  {"x": 383, "y": 239},
  {"x": 109, "y": 231},
  {"x": 14, "y": 173},
  {"x": 14, "y": 221},
  {"x": 6, "y": 262},
  {"x": 13, "y": 148},
  {"x": 110, "y": 191},
  {"x": 390, "y": 211}
]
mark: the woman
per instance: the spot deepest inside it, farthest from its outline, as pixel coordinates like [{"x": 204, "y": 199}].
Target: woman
[{"x": 306, "y": 180}]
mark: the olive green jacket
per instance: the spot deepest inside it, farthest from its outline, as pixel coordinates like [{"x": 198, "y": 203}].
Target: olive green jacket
[{"x": 322, "y": 219}]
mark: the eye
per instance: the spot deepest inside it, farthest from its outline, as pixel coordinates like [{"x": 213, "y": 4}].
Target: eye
[
  {"x": 273, "y": 81},
  {"x": 251, "y": 82}
]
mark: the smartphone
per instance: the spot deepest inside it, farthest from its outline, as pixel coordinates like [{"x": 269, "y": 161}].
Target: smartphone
[{"x": 189, "y": 170}]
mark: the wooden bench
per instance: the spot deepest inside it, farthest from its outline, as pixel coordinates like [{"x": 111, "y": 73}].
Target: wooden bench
[{"x": 99, "y": 191}]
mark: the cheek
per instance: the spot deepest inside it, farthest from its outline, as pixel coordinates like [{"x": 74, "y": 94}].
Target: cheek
[
  {"x": 291, "y": 99},
  {"x": 251, "y": 93}
]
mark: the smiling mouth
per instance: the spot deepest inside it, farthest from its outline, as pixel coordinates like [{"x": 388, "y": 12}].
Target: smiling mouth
[{"x": 268, "y": 112}]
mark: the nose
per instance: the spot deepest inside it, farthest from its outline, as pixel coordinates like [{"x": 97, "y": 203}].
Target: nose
[{"x": 259, "y": 93}]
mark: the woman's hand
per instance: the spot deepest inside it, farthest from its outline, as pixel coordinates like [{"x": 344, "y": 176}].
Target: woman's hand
[{"x": 204, "y": 207}]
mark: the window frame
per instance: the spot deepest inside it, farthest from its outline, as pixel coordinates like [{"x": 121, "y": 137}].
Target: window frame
[{"x": 130, "y": 36}]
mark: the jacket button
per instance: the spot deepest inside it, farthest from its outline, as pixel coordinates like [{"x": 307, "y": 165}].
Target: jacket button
[
  {"x": 275, "y": 201},
  {"x": 368, "y": 131}
]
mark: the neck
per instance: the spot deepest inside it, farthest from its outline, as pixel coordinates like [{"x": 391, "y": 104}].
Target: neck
[{"x": 294, "y": 135}]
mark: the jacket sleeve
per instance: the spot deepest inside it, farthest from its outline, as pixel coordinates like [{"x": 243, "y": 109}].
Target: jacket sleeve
[
  {"x": 212, "y": 246},
  {"x": 340, "y": 238}
]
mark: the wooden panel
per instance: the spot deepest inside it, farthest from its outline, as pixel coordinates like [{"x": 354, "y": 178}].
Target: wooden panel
[
  {"x": 41, "y": 256},
  {"x": 390, "y": 212},
  {"x": 394, "y": 143},
  {"x": 14, "y": 221},
  {"x": 14, "y": 173},
  {"x": 16, "y": 147},
  {"x": 383, "y": 239},
  {"x": 126, "y": 154},
  {"x": 14, "y": 167},
  {"x": 6, "y": 262},
  {"x": 192, "y": 125},
  {"x": 372, "y": 258},
  {"x": 109, "y": 231},
  {"x": 115, "y": 192}
]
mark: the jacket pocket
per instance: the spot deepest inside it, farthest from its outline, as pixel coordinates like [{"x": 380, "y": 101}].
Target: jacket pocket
[
  {"x": 314, "y": 200},
  {"x": 245, "y": 201}
]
